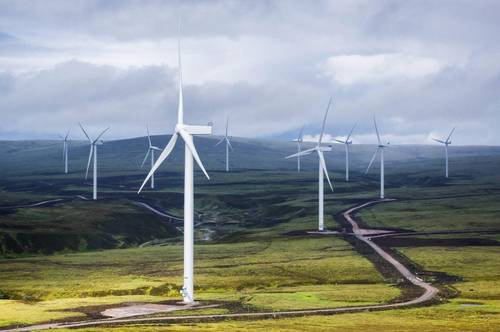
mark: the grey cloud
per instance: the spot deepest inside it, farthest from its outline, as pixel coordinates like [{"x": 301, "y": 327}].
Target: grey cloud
[{"x": 286, "y": 44}]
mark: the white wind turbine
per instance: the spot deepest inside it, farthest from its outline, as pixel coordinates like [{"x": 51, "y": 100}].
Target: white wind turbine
[
  {"x": 380, "y": 148},
  {"x": 151, "y": 149},
  {"x": 322, "y": 168},
  {"x": 446, "y": 143},
  {"x": 228, "y": 144},
  {"x": 93, "y": 155},
  {"x": 186, "y": 132},
  {"x": 346, "y": 143},
  {"x": 65, "y": 151},
  {"x": 299, "y": 140}
]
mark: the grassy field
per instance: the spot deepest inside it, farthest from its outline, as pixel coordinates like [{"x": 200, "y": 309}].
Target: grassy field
[
  {"x": 62, "y": 261},
  {"x": 456, "y": 210},
  {"x": 277, "y": 274}
]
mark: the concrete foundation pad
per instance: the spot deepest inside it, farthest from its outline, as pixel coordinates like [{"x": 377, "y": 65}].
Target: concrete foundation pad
[{"x": 144, "y": 309}]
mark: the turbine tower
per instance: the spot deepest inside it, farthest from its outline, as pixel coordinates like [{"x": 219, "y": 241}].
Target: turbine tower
[
  {"x": 321, "y": 169},
  {"x": 446, "y": 143},
  {"x": 380, "y": 148},
  {"x": 228, "y": 144},
  {"x": 93, "y": 155},
  {"x": 346, "y": 143},
  {"x": 151, "y": 149},
  {"x": 185, "y": 132},
  {"x": 299, "y": 140},
  {"x": 65, "y": 140}
]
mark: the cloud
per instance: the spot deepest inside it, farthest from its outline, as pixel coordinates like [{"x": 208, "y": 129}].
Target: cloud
[
  {"x": 352, "y": 69},
  {"x": 270, "y": 66}
]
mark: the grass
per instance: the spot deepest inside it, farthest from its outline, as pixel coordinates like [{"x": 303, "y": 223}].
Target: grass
[
  {"x": 467, "y": 212},
  {"x": 478, "y": 267},
  {"x": 275, "y": 275},
  {"x": 259, "y": 258},
  {"x": 79, "y": 225},
  {"x": 476, "y": 309}
]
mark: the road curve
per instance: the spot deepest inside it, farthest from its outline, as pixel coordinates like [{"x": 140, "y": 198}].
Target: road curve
[
  {"x": 51, "y": 201},
  {"x": 429, "y": 292}
]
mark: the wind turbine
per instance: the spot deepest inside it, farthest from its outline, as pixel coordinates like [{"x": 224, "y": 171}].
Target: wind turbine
[
  {"x": 186, "y": 132},
  {"x": 322, "y": 168},
  {"x": 93, "y": 155},
  {"x": 446, "y": 143},
  {"x": 347, "y": 142},
  {"x": 151, "y": 149},
  {"x": 299, "y": 140},
  {"x": 228, "y": 144},
  {"x": 380, "y": 148},
  {"x": 65, "y": 151}
]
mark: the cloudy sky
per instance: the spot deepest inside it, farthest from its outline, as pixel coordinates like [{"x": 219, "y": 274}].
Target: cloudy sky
[{"x": 421, "y": 67}]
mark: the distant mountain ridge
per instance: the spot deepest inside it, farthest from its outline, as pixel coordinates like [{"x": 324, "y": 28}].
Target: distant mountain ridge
[{"x": 126, "y": 155}]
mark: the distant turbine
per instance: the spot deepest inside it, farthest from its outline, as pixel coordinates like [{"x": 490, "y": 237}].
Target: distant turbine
[
  {"x": 380, "y": 148},
  {"x": 299, "y": 140},
  {"x": 322, "y": 168},
  {"x": 228, "y": 144},
  {"x": 65, "y": 151},
  {"x": 151, "y": 149},
  {"x": 446, "y": 143},
  {"x": 93, "y": 155},
  {"x": 347, "y": 142},
  {"x": 186, "y": 132}
]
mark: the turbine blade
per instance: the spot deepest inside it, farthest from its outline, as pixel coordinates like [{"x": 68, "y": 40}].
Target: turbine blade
[
  {"x": 371, "y": 161},
  {"x": 323, "y": 166},
  {"x": 149, "y": 138},
  {"x": 67, "y": 135},
  {"x": 180, "y": 110},
  {"x": 90, "y": 159},
  {"x": 219, "y": 142},
  {"x": 155, "y": 148},
  {"x": 229, "y": 143},
  {"x": 324, "y": 122},
  {"x": 168, "y": 149},
  {"x": 302, "y": 153},
  {"x": 102, "y": 133},
  {"x": 85, "y": 132},
  {"x": 350, "y": 133},
  {"x": 227, "y": 124},
  {"x": 60, "y": 136},
  {"x": 451, "y": 133},
  {"x": 146, "y": 157},
  {"x": 300, "y": 134},
  {"x": 337, "y": 140},
  {"x": 189, "y": 143},
  {"x": 439, "y": 141},
  {"x": 376, "y": 130}
]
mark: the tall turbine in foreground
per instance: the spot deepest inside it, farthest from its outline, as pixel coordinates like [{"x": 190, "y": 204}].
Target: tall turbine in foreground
[
  {"x": 322, "y": 168},
  {"x": 65, "y": 140},
  {"x": 185, "y": 132},
  {"x": 151, "y": 149},
  {"x": 93, "y": 155},
  {"x": 446, "y": 143},
  {"x": 346, "y": 143},
  {"x": 228, "y": 144},
  {"x": 380, "y": 148},
  {"x": 299, "y": 140}
]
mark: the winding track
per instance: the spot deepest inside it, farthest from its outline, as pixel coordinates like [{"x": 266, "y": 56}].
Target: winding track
[
  {"x": 51, "y": 201},
  {"x": 429, "y": 292}
]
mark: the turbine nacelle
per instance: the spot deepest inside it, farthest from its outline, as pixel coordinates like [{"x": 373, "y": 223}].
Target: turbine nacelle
[
  {"x": 447, "y": 141},
  {"x": 194, "y": 130}
]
